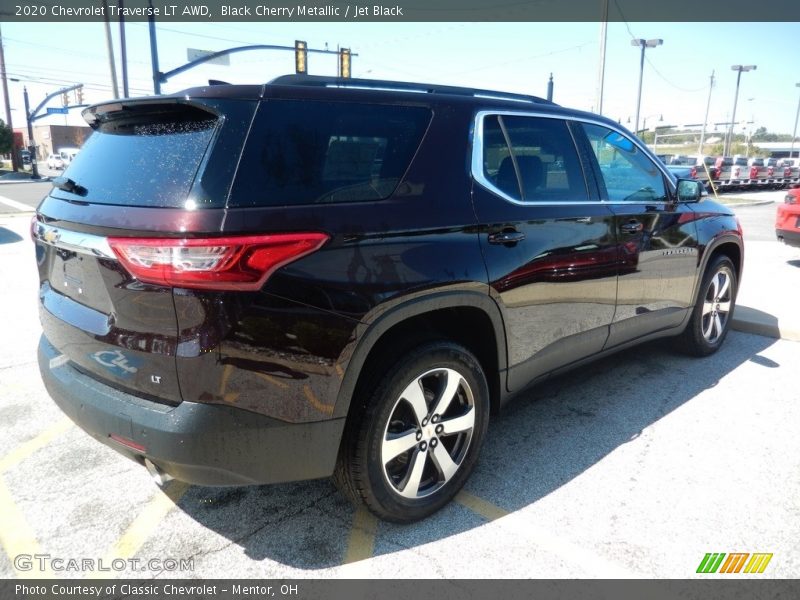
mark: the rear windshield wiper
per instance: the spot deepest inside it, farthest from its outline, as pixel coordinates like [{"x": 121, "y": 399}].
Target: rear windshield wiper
[{"x": 68, "y": 185}]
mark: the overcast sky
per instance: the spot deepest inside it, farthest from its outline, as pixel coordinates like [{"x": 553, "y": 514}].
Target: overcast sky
[{"x": 504, "y": 56}]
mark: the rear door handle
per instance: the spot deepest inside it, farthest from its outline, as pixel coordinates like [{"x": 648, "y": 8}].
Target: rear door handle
[
  {"x": 632, "y": 226},
  {"x": 506, "y": 237}
]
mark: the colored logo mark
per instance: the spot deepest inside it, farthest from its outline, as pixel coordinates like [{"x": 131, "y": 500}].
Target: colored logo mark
[{"x": 736, "y": 562}]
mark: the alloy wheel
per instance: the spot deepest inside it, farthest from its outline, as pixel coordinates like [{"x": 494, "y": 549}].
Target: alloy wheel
[
  {"x": 428, "y": 433},
  {"x": 717, "y": 305}
]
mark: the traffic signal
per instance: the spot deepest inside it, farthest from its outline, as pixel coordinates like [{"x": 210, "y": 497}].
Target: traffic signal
[
  {"x": 65, "y": 99},
  {"x": 344, "y": 63},
  {"x": 300, "y": 57},
  {"x": 79, "y": 94}
]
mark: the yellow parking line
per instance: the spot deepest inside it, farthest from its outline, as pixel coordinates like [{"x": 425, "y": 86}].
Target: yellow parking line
[
  {"x": 312, "y": 398},
  {"x": 16, "y": 535},
  {"x": 223, "y": 384},
  {"x": 271, "y": 379},
  {"x": 361, "y": 544},
  {"x": 25, "y": 449},
  {"x": 478, "y": 505},
  {"x": 143, "y": 525}
]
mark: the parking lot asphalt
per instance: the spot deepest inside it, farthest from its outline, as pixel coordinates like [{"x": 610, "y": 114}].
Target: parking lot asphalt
[{"x": 637, "y": 467}]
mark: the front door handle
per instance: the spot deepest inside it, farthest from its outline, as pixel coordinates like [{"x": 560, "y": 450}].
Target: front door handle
[
  {"x": 506, "y": 237},
  {"x": 632, "y": 226}
]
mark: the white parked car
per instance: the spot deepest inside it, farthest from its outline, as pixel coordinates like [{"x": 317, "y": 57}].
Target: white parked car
[
  {"x": 67, "y": 154},
  {"x": 54, "y": 161}
]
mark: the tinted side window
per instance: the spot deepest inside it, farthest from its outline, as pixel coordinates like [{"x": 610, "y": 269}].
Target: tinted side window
[
  {"x": 628, "y": 173},
  {"x": 307, "y": 152},
  {"x": 532, "y": 159}
]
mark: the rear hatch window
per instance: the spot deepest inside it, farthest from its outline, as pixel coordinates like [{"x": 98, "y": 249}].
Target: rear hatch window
[
  {"x": 309, "y": 152},
  {"x": 145, "y": 155}
]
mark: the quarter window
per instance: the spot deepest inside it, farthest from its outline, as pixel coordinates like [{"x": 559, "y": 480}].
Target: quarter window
[
  {"x": 532, "y": 159},
  {"x": 628, "y": 173},
  {"x": 306, "y": 152}
]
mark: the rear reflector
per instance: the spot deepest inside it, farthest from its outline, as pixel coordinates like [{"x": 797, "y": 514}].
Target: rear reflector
[
  {"x": 126, "y": 442},
  {"x": 225, "y": 263}
]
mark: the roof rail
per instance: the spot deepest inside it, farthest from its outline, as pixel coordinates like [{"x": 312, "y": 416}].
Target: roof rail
[{"x": 400, "y": 86}]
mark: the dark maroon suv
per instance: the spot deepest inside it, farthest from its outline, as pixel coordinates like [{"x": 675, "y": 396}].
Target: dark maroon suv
[{"x": 316, "y": 277}]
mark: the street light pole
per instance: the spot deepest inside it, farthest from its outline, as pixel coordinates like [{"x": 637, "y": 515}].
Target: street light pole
[
  {"x": 739, "y": 70},
  {"x": 31, "y": 143},
  {"x": 644, "y": 45},
  {"x": 705, "y": 120},
  {"x": 794, "y": 133}
]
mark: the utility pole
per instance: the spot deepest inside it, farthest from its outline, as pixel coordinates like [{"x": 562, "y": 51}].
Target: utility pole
[
  {"x": 151, "y": 23},
  {"x": 705, "y": 121},
  {"x": 739, "y": 70},
  {"x": 123, "y": 50},
  {"x": 31, "y": 143},
  {"x": 794, "y": 133},
  {"x": 110, "y": 48},
  {"x": 14, "y": 159},
  {"x": 644, "y": 44},
  {"x": 601, "y": 75},
  {"x": 550, "y": 88}
]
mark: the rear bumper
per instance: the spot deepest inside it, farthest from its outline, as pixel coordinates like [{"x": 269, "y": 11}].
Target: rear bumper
[
  {"x": 202, "y": 444},
  {"x": 788, "y": 237}
]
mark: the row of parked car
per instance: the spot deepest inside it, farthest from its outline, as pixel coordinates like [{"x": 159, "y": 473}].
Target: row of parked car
[
  {"x": 61, "y": 159},
  {"x": 736, "y": 172}
]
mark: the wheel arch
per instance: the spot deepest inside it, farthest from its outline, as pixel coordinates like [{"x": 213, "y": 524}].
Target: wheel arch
[
  {"x": 729, "y": 245},
  {"x": 463, "y": 317}
]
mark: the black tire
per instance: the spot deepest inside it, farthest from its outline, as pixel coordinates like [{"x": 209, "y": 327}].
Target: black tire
[
  {"x": 387, "y": 487},
  {"x": 702, "y": 335}
]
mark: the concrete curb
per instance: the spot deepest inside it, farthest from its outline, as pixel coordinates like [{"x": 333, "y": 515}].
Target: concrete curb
[
  {"x": 26, "y": 180},
  {"x": 748, "y": 203},
  {"x": 751, "y": 320}
]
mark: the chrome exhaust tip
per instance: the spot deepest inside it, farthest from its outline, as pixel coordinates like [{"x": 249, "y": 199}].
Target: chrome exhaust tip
[{"x": 159, "y": 476}]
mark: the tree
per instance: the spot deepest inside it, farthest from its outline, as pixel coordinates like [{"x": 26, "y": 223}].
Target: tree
[{"x": 6, "y": 138}]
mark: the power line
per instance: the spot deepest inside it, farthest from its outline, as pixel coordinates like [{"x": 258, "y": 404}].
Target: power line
[
  {"x": 676, "y": 86},
  {"x": 526, "y": 58},
  {"x": 61, "y": 50},
  {"x": 649, "y": 62},
  {"x": 34, "y": 72},
  {"x": 199, "y": 35}
]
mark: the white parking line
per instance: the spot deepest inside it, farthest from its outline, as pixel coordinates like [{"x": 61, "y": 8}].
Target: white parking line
[{"x": 15, "y": 204}]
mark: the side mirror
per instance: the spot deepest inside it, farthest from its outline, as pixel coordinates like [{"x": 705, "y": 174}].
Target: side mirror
[{"x": 689, "y": 190}]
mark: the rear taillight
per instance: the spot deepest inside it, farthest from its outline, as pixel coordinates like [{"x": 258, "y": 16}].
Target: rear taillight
[
  {"x": 693, "y": 173},
  {"x": 753, "y": 172},
  {"x": 225, "y": 263}
]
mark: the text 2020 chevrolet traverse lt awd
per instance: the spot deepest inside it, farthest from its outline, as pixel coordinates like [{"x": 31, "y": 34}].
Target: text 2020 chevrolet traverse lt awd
[{"x": 316, "y": 277}]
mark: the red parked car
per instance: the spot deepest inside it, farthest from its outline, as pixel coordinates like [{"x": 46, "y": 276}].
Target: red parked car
[{"x": 787, "y": 221}]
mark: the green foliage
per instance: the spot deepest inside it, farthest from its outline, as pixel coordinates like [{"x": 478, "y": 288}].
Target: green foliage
[
  {"x": 6, "y": 138},
  {"x": 762, "y": 135},
  {"x": 736, "y": 148}
]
